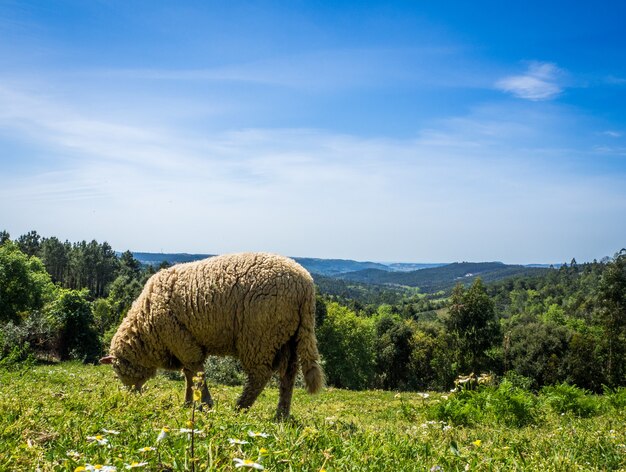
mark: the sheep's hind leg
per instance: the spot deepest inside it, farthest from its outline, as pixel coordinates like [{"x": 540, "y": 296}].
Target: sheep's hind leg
[
  {"x": 206, "y": 396},
  {"x": 288, "y": 370},
  {"x": 257, "y": 379}
]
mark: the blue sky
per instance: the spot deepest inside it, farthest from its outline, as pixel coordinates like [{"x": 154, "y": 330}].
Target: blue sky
[{"x": 392, "y": 131}]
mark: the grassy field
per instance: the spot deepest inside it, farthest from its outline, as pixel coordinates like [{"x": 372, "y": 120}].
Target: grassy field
[{"x": 70, "y": 417}]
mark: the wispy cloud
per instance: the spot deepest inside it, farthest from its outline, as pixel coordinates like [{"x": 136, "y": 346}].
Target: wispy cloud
[
  {"x": 541, "y": 81},
  {"x": 613, "y": 134}
]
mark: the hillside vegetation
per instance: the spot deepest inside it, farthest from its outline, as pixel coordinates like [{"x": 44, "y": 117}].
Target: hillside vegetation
[{"x": 445, "y": 277}]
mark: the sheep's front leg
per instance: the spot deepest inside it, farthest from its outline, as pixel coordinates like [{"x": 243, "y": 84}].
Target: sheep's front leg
[
  {"x": 257, "y": 379},
  {"x": 189, "y": 353},
  {"x": 206, "y": 396}
]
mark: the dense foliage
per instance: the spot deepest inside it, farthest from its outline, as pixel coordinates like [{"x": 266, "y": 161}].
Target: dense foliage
[
  {"x": 65, "y": 300},
  {"x": 560, "y": 325},
  {"x": 60, "y": 300}
]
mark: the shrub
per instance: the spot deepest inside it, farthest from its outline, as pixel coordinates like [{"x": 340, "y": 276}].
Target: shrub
[
  {"x": 224, "y": 370},
  {"x": 71, "y": 316},
  {"x": 513, "y": 406},
  {"x": 505, "y": 404},
  {"x": 565, "y": 398},
  {"x": 346, "y": 343},
  {"x": 462, "y": 408},
  {"x": 616, "y": 397},
  {"x": 32, "y": 338}
]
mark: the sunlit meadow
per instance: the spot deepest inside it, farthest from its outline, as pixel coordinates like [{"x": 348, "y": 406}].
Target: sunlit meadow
[{"x": 75, "y": 417}]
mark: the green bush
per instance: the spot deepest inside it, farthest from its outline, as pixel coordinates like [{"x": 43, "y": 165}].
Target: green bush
[
  {"x": 224, "y": 371},
  {"x": 513, "y": 406},
  {"x": 33, "y": 337},
  {"x": 70, "y": 314},
  {"x": 505, "y": 404},
  {"x": 565, "y": 398},
  {"x": 615, "y": 397},
  {"x": 462, "y": 408}
]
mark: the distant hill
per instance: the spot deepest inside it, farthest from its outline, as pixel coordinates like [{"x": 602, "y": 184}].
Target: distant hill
[
  {"x": 333, "y": 267},
  {"x": 154, "y": 258},
  {"x": 327, "y": 267},
  {"x": 427, "y": 277},
  {"x": 443, "y": 277},
  {"x": 410, "y": 266}
]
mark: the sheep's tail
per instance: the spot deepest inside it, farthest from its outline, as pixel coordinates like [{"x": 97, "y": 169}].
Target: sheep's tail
[{"x": 307, "y": 345}]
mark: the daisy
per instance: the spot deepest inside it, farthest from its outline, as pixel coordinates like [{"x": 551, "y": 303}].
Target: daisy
[
  {"x": 110, "y": 431},
  {"x": 101, "y": 440},
  {"x": 187, "y": 430},
  {"x": 97, "y": 467},
  {"x": 136, "y": 465},
  {"x": 237, "y": 441},
  {"x": 163, "y": 434},
  {"x": 247, "y": 463},
  {"x": 147, "y": 449},
  {"x": 252, "y": 434}
]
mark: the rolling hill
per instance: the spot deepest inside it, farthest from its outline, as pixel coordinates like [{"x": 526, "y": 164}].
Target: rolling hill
[
  {"x": 346, "y": 273},
  {"x": 326, "y": 267},
  {"x": 443, "y": 277}
]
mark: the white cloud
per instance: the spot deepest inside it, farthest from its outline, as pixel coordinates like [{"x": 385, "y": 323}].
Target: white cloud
[
  {"x": 613, "y": 134},
  {"x": 540, "y": 82}
]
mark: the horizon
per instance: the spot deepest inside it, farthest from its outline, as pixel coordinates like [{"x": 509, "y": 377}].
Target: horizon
[
  {"x": 406, "y": 262},
  {"x": 379, "y": 132}
]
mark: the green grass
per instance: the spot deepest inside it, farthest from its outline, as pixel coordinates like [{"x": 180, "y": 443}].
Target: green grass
[{"x": 47, "y": 413}]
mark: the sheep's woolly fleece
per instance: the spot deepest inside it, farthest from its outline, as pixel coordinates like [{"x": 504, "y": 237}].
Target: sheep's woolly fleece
[{"x": 250, "y": 305}]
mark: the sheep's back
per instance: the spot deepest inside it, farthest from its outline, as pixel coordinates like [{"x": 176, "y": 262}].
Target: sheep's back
[{"x": 244, "y": 304}]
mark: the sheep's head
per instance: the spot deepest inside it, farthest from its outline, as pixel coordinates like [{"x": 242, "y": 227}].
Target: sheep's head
[{"x": 131, "y": 375}]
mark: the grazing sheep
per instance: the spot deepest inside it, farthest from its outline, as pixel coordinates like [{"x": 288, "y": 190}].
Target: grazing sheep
[{"x": 257, "y": 307}]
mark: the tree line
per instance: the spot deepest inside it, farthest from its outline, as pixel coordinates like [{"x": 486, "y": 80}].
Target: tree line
[{"x": 62, "y": 300}]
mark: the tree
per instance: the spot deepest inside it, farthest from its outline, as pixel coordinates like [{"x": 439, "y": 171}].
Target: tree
[
  {"x": 29, "y": 243},
  {"x": 71, "y": 315},
  {"x": 346, "y": 343},
  {"x": 538, "y": 350},
  {"x": 129, "y": 265},
  {"x": 611, "y": 300},
  {"x": 54, "y": 255},
  {"x": 471, "y": 319},
  {"x": 4, "y": 237},
  {"x": 24, "y": 283},
  {"x": 122, "y": 292},
  {"x": 394, "y": 345}
]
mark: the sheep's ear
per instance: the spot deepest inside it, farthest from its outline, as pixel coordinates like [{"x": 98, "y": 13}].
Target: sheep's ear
[{"x": 107, "y": 360}]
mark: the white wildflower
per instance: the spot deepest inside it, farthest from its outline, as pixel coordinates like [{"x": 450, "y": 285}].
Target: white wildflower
[
  {"x": 163, "y": 434},
  {"x": 247, "y": 463},
  {"x": 236, "y": 441},
  {"x": 136, "y": 465},
  {"x": 101, "y": 440}
]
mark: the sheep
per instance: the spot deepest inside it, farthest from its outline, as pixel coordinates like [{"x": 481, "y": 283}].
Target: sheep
[{"x": 257, "y": 307}]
